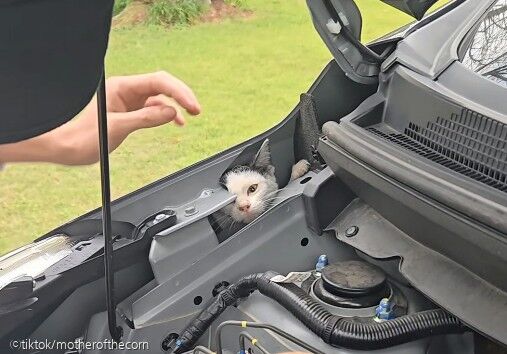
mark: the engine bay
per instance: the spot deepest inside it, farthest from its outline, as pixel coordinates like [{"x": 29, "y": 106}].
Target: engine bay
[
  {"x": 373, "y": 249},
  {"x": 392, "y": 240},
  {"x": 325, "y": 269},
  {"x": 326, "y": 274}
]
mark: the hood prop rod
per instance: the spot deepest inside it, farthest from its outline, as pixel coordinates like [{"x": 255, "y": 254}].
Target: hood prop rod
[{"x": 115, "y": 331}]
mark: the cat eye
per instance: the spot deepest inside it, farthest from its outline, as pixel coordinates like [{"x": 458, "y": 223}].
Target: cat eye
[{"x": 252, "y": 188}]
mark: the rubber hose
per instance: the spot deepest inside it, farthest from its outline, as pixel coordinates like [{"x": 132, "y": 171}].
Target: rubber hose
[
  {"x": 352, "y": 333},
  {"x": 346, "y": 332}
]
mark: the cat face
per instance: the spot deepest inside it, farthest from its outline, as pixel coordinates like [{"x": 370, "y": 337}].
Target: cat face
[
  {"x": 253, "y": 193},
  {"x": 254, "y": 186}
]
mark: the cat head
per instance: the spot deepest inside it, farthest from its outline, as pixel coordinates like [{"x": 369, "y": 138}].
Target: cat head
[{"x": 254, "y": 186}]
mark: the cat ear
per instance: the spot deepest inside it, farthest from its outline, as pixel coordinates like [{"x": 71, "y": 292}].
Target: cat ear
[{"x": 262, "y": 160}]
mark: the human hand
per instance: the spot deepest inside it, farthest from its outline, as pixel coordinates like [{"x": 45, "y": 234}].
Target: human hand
[
  {"x": 133, "y": 102},
  {"x": 143, "y": 101}
]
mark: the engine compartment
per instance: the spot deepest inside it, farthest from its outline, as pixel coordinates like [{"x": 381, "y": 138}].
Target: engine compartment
[
  {"x": 171, "y": 270},
  {"x": 187, "y": 278},
  {"x": 393, "y": 242},
  {"x": 350, "y": 286}
]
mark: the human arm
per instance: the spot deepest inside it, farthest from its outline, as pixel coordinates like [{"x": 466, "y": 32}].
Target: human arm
[{"x": 133, "y": 102}]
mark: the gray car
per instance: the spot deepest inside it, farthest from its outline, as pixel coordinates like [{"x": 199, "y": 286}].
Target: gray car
[{"x": 394, "y": 241}]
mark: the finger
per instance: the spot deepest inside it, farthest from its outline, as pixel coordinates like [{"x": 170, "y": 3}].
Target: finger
[
  {"x": 166, "y": 84},
  {"x": 177, "y": 89},
  {"x": 148, "y": 117},
  {"x": 162, "y": 100},
  {"x": 179, "y": 119},
  {"x": 159, "y": 100},
  {"x": 148, "y": 85}
]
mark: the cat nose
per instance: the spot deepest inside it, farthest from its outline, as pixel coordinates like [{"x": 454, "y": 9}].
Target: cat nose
[{"x": 244, "y": 207}]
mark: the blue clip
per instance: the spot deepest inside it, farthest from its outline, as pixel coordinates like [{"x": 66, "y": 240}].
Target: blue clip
[
  {"x": 384, "y": 310},
  {"x": 321, "y": 262}
]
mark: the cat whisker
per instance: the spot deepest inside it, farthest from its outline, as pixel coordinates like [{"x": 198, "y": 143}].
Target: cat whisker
[
  {"x": 224, "y": 223},
  {"x": 274, "y": 198},
  {"x": 281, "y": 189},
  {"x": 221, "y": 225},
  {"x": 234, "y": 222},
  {"x": 222, "y": 217},
  {"x": 220, "y": 222},
  {"x": 274, "y": 192}
]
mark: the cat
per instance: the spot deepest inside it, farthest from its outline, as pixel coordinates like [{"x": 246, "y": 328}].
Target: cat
[{"x": 255, "y": 186}]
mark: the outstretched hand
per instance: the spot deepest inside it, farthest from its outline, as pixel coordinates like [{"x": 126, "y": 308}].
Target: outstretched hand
[
  {"x": 133, "y": 102},
  {"x": 142, "y": 101}
]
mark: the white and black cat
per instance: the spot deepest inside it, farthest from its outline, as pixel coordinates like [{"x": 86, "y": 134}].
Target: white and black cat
[{"x": 255, "y": 187}]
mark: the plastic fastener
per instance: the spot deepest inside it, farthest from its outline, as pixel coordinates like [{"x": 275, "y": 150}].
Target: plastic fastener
[
  {"x": 351, "y": 231},
  {"x": 321, "y": 262}
]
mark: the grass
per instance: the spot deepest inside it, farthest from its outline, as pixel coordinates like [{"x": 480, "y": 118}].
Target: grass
[
  {"x": 247, "y": 74},
  {"x": 175, "y": 12},
  {"x": 119, "y": 6}
]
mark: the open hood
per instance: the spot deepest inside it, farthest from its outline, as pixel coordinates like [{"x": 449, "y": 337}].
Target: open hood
[
  {"x": 414, "y": 8},
  {"x": 51, "y": 62},
  {"x": 339, "y": 24}
]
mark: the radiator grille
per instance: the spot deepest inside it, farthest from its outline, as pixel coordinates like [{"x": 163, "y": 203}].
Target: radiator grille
[{"x": 468, "y": 143}]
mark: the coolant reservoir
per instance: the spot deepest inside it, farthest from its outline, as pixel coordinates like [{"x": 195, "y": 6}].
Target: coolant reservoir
[{"x": 33, "y": 259}]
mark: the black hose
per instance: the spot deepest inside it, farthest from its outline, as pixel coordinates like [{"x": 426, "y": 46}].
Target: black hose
[{"x": 347, "y": 332}]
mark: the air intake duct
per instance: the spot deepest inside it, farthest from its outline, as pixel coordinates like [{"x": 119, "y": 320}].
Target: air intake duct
[{"x": 346, "y": 332}]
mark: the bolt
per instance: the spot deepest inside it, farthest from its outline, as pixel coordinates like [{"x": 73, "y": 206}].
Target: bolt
[
  {"x": 352, "y": 231},
  {"x": 321, "y": 263},
  {"x": 159, "y": 218},
  {"x": 191, "y": 210},
  {"x": 384, "y": 310}
]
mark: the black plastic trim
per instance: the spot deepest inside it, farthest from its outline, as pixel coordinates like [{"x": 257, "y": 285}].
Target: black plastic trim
[{"x": 426, "y": 176}]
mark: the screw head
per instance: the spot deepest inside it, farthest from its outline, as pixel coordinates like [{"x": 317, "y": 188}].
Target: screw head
[
  {"x": 159, "y": 218},
  {"x": 191, "y": 210},
  {"x": 352, "y": 231}
]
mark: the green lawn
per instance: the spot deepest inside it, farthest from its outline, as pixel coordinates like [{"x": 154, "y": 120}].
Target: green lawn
[{"x": 247, "y": 74}]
